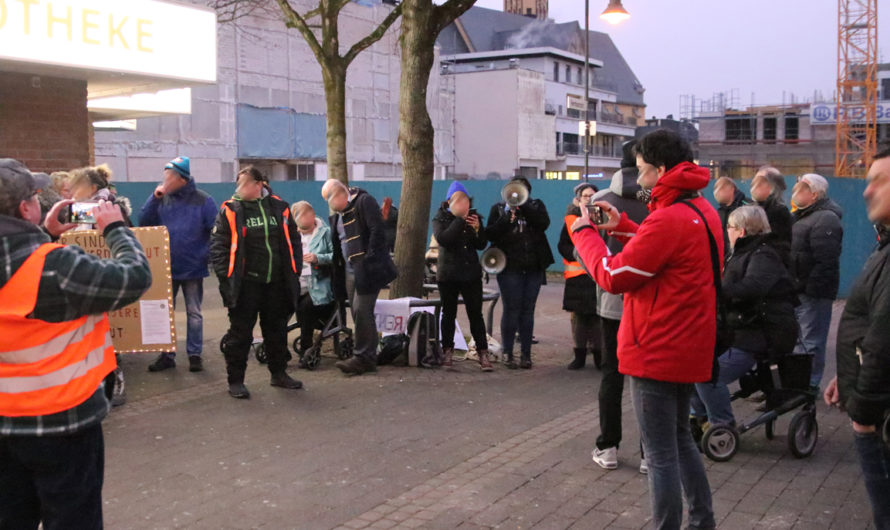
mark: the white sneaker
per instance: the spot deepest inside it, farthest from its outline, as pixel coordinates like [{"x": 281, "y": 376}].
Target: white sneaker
[
  {"x": 644, "y": 467},
  {"x": 606, "y": 458}
]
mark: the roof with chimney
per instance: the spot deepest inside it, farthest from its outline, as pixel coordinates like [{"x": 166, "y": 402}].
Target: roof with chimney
[{"x": 484, "y": 30}]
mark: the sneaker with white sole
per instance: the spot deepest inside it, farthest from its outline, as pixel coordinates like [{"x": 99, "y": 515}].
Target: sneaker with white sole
[
  {"x": 605, "y": 458},
  {"x": 644, "y": 467}
]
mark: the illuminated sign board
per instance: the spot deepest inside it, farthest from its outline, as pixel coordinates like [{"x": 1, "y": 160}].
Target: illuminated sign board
[
  {"x": 826, "y": 113},
  {"x": 144, "y": 37}
]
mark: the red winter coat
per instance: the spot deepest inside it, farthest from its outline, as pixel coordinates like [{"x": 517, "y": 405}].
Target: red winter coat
[{"x": 668, "y": 328}]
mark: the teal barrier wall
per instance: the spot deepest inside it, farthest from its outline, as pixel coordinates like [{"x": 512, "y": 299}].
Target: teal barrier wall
[{"x": 859, "y": 235}]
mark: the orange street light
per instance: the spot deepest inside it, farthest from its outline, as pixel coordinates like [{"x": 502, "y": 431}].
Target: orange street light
[{"x": 615, "y": 13}]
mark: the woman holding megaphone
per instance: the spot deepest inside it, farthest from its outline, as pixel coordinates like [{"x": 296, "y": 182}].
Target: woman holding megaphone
[
  {"x": 516, "y": 226},
  {"x": 458, "y": 229}
]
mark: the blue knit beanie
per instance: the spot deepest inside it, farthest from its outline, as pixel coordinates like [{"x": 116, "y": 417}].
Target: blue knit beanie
[
  {"x": 181, "y": 165},
  {"x": 454, "y": 188}
]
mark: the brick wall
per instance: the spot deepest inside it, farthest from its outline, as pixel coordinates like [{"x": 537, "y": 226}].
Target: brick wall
[{"x": 44, "y": 121}]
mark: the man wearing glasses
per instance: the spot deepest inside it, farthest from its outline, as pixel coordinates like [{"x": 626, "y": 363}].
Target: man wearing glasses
[{"x": 362, "y": 266}]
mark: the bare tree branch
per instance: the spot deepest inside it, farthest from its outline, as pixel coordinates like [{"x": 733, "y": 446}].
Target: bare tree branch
[
  {"x": 446, "y": 13},
  {"x": 292, "y": 19},
  {"x": 374, "y": 36}
]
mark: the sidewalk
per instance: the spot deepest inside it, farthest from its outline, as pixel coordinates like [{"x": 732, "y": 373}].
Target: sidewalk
[{"x": 415, "y": 448}]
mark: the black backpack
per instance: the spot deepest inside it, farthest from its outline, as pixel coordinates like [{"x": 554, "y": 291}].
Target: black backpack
[
  {"x": 423, "y": 340},
  {"x": 393, "y": 350}
]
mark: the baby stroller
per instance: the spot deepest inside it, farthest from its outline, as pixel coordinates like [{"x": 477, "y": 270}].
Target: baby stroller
[
  {"x": 785, "y": 383},
  {"x": 331, "y": 326}
]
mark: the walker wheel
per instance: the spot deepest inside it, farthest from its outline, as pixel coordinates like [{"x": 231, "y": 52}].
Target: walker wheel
[
  {"x": 310, "y": 358},
  {"x": 720, "y": 443},
  {"x": 803, "y": 433},
  {"x": 295, "y": 345},
  {"x": 345, "y": 348},
  {"x": 259, "y": 352}
]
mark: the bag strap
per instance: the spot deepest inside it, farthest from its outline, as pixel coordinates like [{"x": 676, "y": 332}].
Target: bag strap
[{"x": 715, "y": 258}]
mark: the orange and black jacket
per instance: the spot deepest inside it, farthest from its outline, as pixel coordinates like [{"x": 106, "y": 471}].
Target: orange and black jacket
[{"x": 228, "y": 252}]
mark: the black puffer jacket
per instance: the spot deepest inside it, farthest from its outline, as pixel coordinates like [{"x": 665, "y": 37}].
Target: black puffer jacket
[
  {"x": 864, "y": 383},
  {"x": 522, "y": 239},
  {"x": 579, "y": 294},
  {"x": 816, "y": 249},
  {"x": 458, "y": 247},
  {"x": 760, "y": 297},
  {"x": 723, "y": 210},
  {"x": 780, "y": 221}
]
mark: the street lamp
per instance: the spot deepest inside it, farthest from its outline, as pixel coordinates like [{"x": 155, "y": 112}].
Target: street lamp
[{"x": 613, "y": 14}]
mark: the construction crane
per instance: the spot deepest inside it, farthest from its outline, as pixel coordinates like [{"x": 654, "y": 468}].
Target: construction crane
[{"x": 857, "y": 87}]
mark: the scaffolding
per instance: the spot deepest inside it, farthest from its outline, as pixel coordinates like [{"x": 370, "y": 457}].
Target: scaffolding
[{"x": 857, "y": 87}]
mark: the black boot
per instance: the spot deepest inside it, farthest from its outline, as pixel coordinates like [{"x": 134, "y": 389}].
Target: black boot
[
  {"x": 510, "y": 363},
  {"x": 580, "y": 359},
  {"x": 356, "y": 366},
  {"x": 525, "y": 361},
  {"x": 285, "y": 381}
]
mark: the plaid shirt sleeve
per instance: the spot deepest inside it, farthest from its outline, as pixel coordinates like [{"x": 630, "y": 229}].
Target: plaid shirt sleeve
[{"x": 75, "y": 283}]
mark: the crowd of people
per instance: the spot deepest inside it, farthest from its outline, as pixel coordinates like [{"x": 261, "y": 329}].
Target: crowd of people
[{"x": 644, "y": 285}]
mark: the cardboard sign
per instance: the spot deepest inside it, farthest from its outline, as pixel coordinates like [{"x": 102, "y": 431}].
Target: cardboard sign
[{"x": 146, "y": 325}]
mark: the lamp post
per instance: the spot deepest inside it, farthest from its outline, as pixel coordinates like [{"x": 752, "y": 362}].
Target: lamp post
[{"x": 613, "y": 14}]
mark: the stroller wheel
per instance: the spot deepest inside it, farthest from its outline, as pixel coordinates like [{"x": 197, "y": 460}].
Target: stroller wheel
[
  {"x": 259, "y": 352},
  {"x": 295, "y": 345},
  {"x": 310, "y": 358},
  {"x": 720, "y": 443},
  {"x": 769, "y": 429},
  {"x": 344, "y": 348},
  {"x": 803, "y": 433}
]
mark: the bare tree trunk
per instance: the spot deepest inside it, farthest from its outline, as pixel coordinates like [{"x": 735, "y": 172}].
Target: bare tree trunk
[
  {"x": 335, "y": 99},
  {"x": 421, "y": 23}
]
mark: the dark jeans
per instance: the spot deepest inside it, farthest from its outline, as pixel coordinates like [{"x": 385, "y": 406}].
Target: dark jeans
[
  {"x": 269, "y": 301},
  {"x": 53, "y": 479},
  {"x": 675, "y": 465},
  {"x": 874, "y": 458},
  {"x": 519, "y": 292},
  {"x": 309, "y": 316},
  {"x": 472, "y": 294},
  {"x": 713, "y": 400},
  {"x": 611, "y": 388},
  {"x": 362, "y": 307},
  {"x": 586, "y": 332},
  {"x": 814, "y": 316},
  {"x": 193, "y": 292}
]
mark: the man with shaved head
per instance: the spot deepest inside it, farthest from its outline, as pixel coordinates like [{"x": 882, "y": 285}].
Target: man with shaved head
[{"x": 362, "y": 266}]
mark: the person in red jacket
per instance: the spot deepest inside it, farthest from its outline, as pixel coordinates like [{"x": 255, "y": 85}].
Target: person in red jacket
[{"x": 668, "y": 328}]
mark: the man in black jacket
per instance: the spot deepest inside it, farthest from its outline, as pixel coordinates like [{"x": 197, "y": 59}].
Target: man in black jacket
[
  {"x": 519, "y": 232},
  {"x": 767, "y": 188},
  {"x": 729, "y": 198},
  {"x": 815, "y": 265},
  {"x": 362, "y": 266},
  {"x": 255, "y": 250},
  {"x": 862, "y": 385}
]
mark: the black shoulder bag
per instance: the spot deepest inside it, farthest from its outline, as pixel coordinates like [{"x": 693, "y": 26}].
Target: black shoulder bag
[{"x": 724, "y": 331}]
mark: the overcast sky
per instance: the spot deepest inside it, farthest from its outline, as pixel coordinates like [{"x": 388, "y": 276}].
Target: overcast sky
[{"x": 700, "y": 47}]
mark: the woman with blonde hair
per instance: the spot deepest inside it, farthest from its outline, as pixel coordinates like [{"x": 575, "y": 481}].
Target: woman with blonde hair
[
  {"x": 316, "y": 296},
  {"x": 93, "y": 183}
]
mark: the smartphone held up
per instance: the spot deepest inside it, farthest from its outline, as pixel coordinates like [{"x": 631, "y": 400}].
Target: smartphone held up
[{"x": 597, "y": 215}]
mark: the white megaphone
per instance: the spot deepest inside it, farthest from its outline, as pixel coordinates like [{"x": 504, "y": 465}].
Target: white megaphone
[
  {"x": 514, "y": 194},
  {"x": 494, "y": 260}
]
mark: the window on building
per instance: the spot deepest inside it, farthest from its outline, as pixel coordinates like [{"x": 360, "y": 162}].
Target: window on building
[
  {"x": 580, "y": 76},
  {"x": 792, "y": 127},
  {"x": 741, "y": 128},
  {"x": 769, "y": 130},
  {"x": 568, "y": 74},
  {"x": 301, "y": 172},
  {"x": 553, "y": 175},
  {"x": 885, "y": 88},
  {"x": 556, "y": 71}
]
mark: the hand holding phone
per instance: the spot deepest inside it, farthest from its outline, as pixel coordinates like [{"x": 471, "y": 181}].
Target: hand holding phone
[
  {"x": 82, "y": 212},
  {"x": 597, "y": 215}
]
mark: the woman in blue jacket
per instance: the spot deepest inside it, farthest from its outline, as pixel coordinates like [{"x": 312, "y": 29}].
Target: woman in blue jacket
[{"x": 316, "y": 296}]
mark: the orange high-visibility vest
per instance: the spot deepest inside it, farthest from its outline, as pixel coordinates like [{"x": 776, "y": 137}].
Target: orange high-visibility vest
[
  {"x": 233, "y": 246},
  {"x": 571, "y": 268},
  {"x": 47, "y": 367}
]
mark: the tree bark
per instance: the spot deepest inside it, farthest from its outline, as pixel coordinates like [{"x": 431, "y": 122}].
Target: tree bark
[
  {"x": 335, "y": 100},
  {"x": 421, "y": 23}
]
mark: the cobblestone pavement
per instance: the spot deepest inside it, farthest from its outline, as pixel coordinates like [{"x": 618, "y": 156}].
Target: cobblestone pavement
[{"x": 415, "y": 448}]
